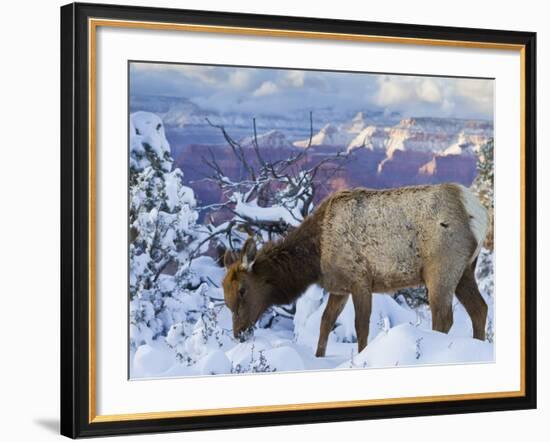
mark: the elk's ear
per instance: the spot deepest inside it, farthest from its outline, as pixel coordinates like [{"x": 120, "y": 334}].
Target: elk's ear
[
  {"x": 248, "y": 254},
  {"x": 229, "y": 258}
]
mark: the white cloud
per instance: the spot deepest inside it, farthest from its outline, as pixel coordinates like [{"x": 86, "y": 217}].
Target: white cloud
[
  {"x": 395, "y": 90},
  {"x": 429, "y": 91},
  {"x": 266, "y": 88},
  {"x": 295, "y": 78},
  {"x": 212, "y": 76},
  {"x": 461, "y": 97},
  {"x": 240, "y": 78},
  {"x": 392, "y": 92},
  {"x": 480, "y": 93},
  {"x": 284, "y": 90}
]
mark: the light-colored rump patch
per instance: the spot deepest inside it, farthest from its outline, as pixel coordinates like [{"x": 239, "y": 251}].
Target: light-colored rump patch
[{"x": 479, "y": 218}]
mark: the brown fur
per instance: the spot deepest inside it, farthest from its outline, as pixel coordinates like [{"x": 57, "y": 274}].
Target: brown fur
[
  {"x": 281, "y": 272},
  {"x": 359, "y": 241}
]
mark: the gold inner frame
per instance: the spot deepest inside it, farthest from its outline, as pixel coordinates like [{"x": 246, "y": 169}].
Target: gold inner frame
[{"x": 93, "y": 24}]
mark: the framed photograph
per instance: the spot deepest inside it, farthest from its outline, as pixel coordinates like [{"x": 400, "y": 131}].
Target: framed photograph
[{"x": 274, "y": 220}]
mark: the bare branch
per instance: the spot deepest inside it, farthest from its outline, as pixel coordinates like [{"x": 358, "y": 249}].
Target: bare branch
[
  {"x": 256, "y": 146},
  {"x": 236, "y": 148},
  {"x": 287, "y": 183}
]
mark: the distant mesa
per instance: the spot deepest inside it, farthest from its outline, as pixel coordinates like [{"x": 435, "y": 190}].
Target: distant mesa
[
  {"x": 470, "y": 149},
  {"x": 431, "y": 134},
  {"x": 329, "y": 135},
  {"x": 371, "y": 137},
  {"x": 388, "y": 150},
  {"x": 429, "y": 169},
  {"x": 433, "y": 150},
  {"x": 467, "y": 142},
  {"x": 449, "y": 168},
  {"x": 445, "y": 136},
  {"x": 174, "y": 111},
  {"x": 352, "y": 131},
  {"x": 273, "y": 139},
  {"x": 357, "y": 124},
  {"x": 403, "y": 163}
]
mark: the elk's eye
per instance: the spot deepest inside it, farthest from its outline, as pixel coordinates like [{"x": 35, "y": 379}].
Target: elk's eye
[{"x": 242, "y": 292}]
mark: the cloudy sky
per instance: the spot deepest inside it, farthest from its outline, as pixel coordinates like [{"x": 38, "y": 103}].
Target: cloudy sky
[{"x": 284, "y": 91}]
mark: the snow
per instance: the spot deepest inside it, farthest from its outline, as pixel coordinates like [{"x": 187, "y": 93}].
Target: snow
[
  {"x": 357, "y": 124},
  {"x": 399, "y": 336},
  {"x": 273, "y": 139},
  {"x": 370, "y": 137},
  {"x": 329, "y": 135},
  {"x": 150, "y": 360},
  {"x": 251, "y": 210},
  {"x": 465, "y": 144},
  {"x": 176, "y": 193},
  {"x": 147, "y": 133},
  {"x": 406, "y": 345},
  {"x": 241, "y": 353},
  {"x": 306, "y": 318},
  {"x": 215, "y": 362},
  {"x": 285, "y": 358},
  {"x": 439, "y": 135}
]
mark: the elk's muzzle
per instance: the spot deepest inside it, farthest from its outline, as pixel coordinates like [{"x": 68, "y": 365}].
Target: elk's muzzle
[{"x": 243, "y": 334}]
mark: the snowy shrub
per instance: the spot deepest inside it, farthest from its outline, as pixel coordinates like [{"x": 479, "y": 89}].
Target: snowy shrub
[
  {"x": 162, "y": 230},
  {"x": 206, "y": 335},
  {"x": 483, "y": 185},
  {"x": 414, "y": 297},
  {"x": 269, "y": 197},
  {"x": 256, "y": 363}
]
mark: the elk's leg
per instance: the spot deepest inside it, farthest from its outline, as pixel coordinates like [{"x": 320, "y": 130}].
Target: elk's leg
[
  {"x": 362, "y": 303},
  {"x": 441, "y": 285},
  {"x": 334, "y": 307},
  {"x": 441, "y": 305},
  {"x": 468, "y": 294}
]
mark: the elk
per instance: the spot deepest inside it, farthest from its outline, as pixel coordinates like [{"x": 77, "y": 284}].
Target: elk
[{"x": 361, "y": 241}]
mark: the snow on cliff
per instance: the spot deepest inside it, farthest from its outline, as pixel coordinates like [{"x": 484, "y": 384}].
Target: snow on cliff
[
  {"x": 329, "y": 135},
  {"x": 357, "y": 124},
  {"x": 273, "y": 139},
  {"x": 437, "y": 134},
  {"x": 466, "y": 143},
  {"x": 371, "y": 137}
]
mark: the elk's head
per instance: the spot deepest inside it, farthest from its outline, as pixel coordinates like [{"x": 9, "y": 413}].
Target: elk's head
[{"x": 246, "y": 292}]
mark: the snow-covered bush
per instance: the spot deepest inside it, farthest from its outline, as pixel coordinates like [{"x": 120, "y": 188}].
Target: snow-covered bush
[
  {"x": 413, "y": 296},
  {"x": 483, "y": 185},
  {"x": 162, "y": 218},
  {"x": 270, "y": 196}
]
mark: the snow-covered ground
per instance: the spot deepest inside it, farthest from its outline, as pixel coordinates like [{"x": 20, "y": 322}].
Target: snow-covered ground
[{"x": 399, "y": 335}]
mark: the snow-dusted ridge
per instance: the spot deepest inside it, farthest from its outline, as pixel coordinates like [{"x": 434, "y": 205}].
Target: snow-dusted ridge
[
  {"x": 329, "y": 135},
  {"x": 372, "y": 137},
  {"x": 437, "y": 134},
  {"x": 273, "y": 139}
]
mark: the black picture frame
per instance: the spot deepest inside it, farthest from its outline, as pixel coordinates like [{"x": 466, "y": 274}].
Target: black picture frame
[{"x": 75, "y": 220}]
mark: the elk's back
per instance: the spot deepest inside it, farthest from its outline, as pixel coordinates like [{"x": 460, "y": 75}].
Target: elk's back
[{"x": 390, "y": 236}]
